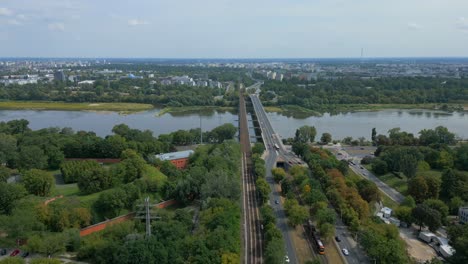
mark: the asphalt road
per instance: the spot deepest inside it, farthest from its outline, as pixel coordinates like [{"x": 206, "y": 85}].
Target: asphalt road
[
  {"x": 270, "y": 139},
  {"x": 359, "y": 169},
  {"x": 356, "y": 254},
  {"x": 389, "y": 191}
]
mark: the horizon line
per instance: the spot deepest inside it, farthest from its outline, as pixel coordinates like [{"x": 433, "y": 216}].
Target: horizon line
[{"x": 242, "y": 58}]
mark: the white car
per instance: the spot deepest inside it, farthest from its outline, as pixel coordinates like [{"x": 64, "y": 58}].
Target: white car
[
  {"x": 286, "y": 258},
  {"x": 345, "y": 252}
]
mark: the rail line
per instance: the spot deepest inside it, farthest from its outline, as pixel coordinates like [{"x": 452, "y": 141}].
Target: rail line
[{"x": 252, "y": 233}]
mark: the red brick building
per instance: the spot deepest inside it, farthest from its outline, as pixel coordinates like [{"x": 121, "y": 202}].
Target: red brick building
[{"x": 179, "y": 158}]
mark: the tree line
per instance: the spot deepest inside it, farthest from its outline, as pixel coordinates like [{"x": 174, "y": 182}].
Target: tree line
[{"x": 328, "y": 95}]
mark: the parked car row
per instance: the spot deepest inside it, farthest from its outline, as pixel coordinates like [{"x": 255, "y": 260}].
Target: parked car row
[{"x": 14, "y": 253}]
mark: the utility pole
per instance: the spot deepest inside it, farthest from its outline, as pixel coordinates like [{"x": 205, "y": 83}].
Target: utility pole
[
  {"x": 148, "y": 217},
  {"x": 201, "y": 132},
  {"x": 146, "y": 214}
]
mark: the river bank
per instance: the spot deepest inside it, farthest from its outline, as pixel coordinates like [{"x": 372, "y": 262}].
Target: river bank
[
  {"x": 65, "y": 106},
  {"x": 347, "y": 108},
  {"x": 192, "y": 109}
]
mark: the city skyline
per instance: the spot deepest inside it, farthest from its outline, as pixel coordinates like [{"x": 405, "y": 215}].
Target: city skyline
[{"x": 233, "y": 29}]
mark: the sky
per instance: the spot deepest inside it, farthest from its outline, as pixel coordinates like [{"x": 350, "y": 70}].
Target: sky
[{"x": 233, "y": 28}]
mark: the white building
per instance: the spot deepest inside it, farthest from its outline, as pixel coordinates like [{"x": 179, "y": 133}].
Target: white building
[
  {"x": 386, "y": 212},
  {"x": 463, "y": 214}
]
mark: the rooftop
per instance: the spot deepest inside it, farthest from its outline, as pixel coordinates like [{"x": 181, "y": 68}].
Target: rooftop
[{"x": 175, "y": 155}]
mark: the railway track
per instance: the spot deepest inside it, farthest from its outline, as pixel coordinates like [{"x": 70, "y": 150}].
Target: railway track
[{"x": 252, "y": 233}]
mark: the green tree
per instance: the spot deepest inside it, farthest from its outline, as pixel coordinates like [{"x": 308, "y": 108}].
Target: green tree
[
  {"x": 458, "y": 235},
  {"x": 278, "y": 174},
  {"x": 461, "y": 157},
  {"x": 409, "y": 202},
  {"x": 368, "y": 190},
  {"x": 297, "y": 215},
  {"x": 305, "y": 134},
  {"x": 94, "y": 180},
  {"x": 439, "y": 206},
  {"x": 440, "y": 135},
  {"x": 455, "y": 203},
  {"x": 38, "y": 182},
  {"x": 30, "y": 157},
  {"x": 224, "y": 132},
  {"x": 423, "y": 215},
  {"x": 326, "y": 230},
  {"x": 7, "y": 148},
  {"x": 47, "y": 244},
  {"x": 111, "y": 202},
  {"x": 454, "y": 184},
  {"x": 9, "y": 194},
  {"x": 373, "y": 134},
  {"x": 379, "y": 166},
  {"x": 326, "y": 138},
  {"x": 417, "y": 188},
  {"x": 4, "y": 174},
  {"x": 263, "y": 189},
  {"x": 404, "y": 213},
  {"x": 275, "y": 252},
  {"x": 258, "y": 148},
  {"x": 268, "y": 214},
  {"x": 325, "y": 215}
]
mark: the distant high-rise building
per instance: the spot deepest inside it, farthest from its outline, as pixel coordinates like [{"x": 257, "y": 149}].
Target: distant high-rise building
[{"x": 60, "y": 76}]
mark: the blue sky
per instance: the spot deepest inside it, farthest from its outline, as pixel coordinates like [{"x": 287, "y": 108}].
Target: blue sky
[{"x": 233, "y": 29}]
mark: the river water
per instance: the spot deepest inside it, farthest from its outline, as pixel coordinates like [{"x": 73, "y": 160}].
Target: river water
[
  {"x": 103, "y": 122},
  {"x": 358, "y": 124}
]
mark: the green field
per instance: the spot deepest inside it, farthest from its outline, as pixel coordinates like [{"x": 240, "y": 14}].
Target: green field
[
  {"x": 71, "y": 190},
  {"x": 34, "y": 105}
]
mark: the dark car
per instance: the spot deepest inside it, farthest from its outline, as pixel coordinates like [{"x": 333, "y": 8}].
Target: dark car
[
  {"x": 338, "y": 239},
  {"x": 14, "y": 253},
  {"x": 276, "y": 202},
  {"x": 2, "y": 252},
  {"x": 25, "y": 254}
]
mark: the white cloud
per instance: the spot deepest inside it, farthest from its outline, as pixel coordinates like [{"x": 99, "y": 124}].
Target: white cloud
[
  {"x": 462, "y": 24},
  {"x": 137, "y": 22},
  {"x": 56, "y": 27},
  {"x": 13, "y": 22},
  {"x": 5, "y": 11},
  {"x": 414, "y": 26},
  {"x": 21, "y": 16}
]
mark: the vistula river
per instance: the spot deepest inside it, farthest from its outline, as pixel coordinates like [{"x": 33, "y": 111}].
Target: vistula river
[{"x": 357, "y": 124}]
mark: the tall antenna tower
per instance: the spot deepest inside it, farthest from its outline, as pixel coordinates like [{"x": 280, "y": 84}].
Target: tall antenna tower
[{"x": 362, "y": 55}]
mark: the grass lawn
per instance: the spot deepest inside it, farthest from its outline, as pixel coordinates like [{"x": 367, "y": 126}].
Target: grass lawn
[
  {"x": 273, "y": 109},
  {"x": 45, "y": 105},
  {"x": 71, "y": 190},
  {"x": 153, "y": 173},
  {"x": 435, "y": 173},
  {"x": 399, "y": 184},
  {"x": 388, "y": 202}
]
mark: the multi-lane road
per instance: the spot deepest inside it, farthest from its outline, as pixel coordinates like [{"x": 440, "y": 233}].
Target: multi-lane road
[
  {"x": 270, "y": 139},
  {"x": 359, "y": 169}
]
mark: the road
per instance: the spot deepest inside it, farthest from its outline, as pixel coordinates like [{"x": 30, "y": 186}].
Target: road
[
  {"x": 270, "y": 139},
  {"x": 252, "y": 233},
  {"x": 389, "y": 191},
  {"x": 356, "y": 254},
  {"x": 360, "y": 170}
]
